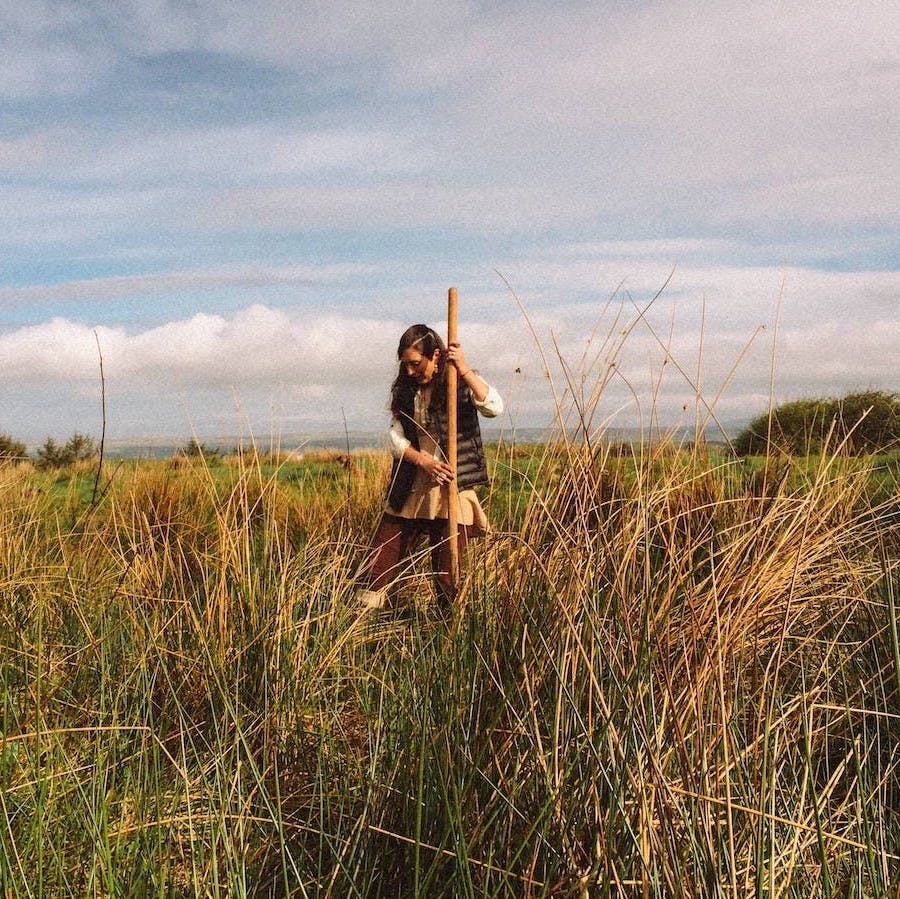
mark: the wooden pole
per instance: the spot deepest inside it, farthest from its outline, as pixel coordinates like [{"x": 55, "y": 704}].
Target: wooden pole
[{"x": 452, "y": 487}]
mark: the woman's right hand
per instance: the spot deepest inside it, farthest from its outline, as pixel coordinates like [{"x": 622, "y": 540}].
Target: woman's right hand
[{"x": 440, "y": 472}]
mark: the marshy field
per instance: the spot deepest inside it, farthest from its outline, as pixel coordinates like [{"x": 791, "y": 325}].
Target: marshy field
[{"x": 675, "y": 673}]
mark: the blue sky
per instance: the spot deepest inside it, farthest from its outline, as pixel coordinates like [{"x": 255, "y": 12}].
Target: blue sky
[{"x": 247, "y": 203}]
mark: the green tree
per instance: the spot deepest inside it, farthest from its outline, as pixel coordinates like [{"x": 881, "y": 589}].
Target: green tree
[
  {"x": 80, "y": 446},
  {"x": 864, "y": 422},
  {"x": 76, "y": 448},
  {"x": 51, "y": 455}
]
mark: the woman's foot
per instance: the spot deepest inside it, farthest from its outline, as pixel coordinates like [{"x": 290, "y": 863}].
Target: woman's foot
[{"x": 371, "y": 600}]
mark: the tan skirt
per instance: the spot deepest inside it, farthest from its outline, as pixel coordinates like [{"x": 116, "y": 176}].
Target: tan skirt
[
  {"x": 432, "y": 503},
  {"x": 428, "y": 500}
]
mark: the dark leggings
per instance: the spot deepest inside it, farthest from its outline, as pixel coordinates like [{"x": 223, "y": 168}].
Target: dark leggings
[{"x": 394, "y": 542}]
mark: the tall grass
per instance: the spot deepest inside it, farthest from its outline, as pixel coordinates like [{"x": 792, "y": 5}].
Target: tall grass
[{"x": 671, "y": 677}]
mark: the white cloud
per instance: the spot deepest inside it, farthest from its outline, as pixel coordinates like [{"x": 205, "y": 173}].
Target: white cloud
[
  {"x": 38, "y": 215},
  {"x": 397, "y": 203},
  {"x": 730, "y": 106},
  {"x": 739, "y": 113},
  {"x": 257, "y": 344},
  {"x": 210, "y": 155},
  {"x": 22, "y": 154},
  {"x": 43, "y": 49},
  {"x": 343, "y": 31},
  {"x": 134, "y": 286},
  {"x": 827, "y": 341}
]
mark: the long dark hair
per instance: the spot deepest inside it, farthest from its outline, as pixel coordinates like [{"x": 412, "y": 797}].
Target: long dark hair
[{"x": 426, "y": 341}]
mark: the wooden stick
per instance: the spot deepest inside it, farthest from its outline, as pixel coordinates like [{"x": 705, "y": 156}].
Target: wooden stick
[{"x": 452, "y": 487}]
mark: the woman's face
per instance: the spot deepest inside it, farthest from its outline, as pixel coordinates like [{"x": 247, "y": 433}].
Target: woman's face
[{"x": 418, "y": 367}]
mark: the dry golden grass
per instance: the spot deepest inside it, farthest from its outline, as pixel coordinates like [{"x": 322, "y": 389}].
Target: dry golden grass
[{"x": 671, "y": 677}]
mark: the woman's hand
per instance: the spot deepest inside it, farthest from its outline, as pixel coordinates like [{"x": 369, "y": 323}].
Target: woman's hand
[
  {"x": 439, "y": 472},
  {"x": 474, "y": 382},
  {"x": 457, "y": 357}
]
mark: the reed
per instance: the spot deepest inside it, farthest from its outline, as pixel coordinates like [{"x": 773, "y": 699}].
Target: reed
[{"x": 673, "y": 676}]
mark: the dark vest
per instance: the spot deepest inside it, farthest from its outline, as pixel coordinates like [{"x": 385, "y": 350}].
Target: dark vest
[{"x": 471, "y": 465}]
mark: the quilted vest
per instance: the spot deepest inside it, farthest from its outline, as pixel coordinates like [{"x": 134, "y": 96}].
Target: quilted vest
[{"x": 471, "y": 465}]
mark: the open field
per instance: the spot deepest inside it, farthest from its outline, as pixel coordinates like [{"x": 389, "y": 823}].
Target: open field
[{"x": 676, "y": 674}]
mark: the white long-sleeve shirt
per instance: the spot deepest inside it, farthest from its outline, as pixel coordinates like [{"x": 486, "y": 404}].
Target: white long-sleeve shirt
[{"x": 490, "y": 407}]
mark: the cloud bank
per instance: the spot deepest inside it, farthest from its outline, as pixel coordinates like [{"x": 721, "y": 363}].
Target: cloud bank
[{"x": 729, "y": 327}]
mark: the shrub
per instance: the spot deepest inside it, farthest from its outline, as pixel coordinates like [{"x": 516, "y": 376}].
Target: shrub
[
  {"x": 866, "y": 422},
  {"x": 11, "y": 450}
]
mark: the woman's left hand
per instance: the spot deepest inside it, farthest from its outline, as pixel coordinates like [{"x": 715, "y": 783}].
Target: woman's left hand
[
  {"x": 457, "y": 357},
  {"x": 471, "y": 379}
]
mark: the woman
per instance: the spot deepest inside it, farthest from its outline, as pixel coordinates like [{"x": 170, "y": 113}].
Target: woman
[{"x": 416, "y": 503}]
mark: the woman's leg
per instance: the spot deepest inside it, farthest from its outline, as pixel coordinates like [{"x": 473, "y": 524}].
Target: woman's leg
[
  {"x": 440, "y": 559},
  {"x": 391, "y": 546}
]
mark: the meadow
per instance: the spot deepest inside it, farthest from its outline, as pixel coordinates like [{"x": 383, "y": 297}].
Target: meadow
[{"x": 674, "y": 673}]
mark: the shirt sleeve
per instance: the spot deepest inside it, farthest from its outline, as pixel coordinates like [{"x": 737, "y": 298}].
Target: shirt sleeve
[
  {"x": 492, "y": 405},
  {"x": 397, "y": 438}
]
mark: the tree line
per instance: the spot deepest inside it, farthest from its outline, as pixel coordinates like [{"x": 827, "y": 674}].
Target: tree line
[
  {"x": 79, "y": 447},
  {"x": 50, "y": 454}
]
